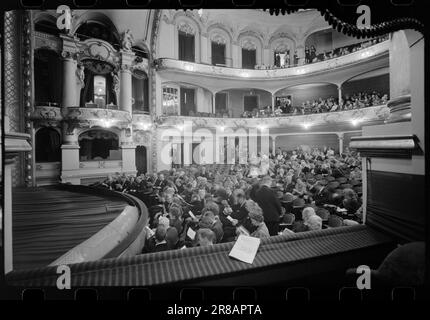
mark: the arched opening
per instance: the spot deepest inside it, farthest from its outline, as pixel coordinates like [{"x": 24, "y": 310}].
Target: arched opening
[
  {"x": 94, "y": 29},
  {"x": 48, "y": 145},
  {"x": 98, "y": 145},
  {"x": 141, "y": 160},
  {"x": 47, "y": 78},
  {"x": 186, "y": 45},
  {"x": 139, "y": 91}
]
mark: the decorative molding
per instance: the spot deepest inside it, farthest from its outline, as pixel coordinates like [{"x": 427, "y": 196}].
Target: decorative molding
[
  {"x": 186, "y": 28},
  {"x": 91, "y": 117},
  {"x": 248, "y": 44},
  {"x": 99, "y": 51},
  {"x": 218, "y": 38}
]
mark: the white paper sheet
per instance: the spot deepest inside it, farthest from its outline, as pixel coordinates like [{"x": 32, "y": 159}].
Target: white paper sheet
[
  {"x": 245, "y": 248},
  {"x": 191, "y": 233}
]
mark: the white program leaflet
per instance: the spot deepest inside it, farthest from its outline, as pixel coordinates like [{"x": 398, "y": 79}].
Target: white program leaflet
[
  {"x": 191, "y": 234},
  {"x": 245, "y": 248}
]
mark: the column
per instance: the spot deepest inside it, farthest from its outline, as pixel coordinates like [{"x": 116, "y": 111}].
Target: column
[
  {"x": 274, "y": 144},
  {"x": 213, "y": 102},
  {"x": 273, "y": 103},
  {"x": 70, "y": 155},
  {"x": 301, "y": 54},
  {"x": 70, "y": 93},
  {"x": 339, "y": 94},
  {"x": 125, "y": 96},
  {"x": 340, "y": 136}
]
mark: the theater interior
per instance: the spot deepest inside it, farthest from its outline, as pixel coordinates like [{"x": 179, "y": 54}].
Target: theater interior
[{"x": 129, "y": 93}]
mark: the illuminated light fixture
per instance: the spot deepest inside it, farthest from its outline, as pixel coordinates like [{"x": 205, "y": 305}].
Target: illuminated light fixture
[
  {"x": 180, "y": 127},
  {"x": 300, "y": 71},
  {"x": 221, "y": 128},
  {"x": 200, "y": 12},
  {"x": 306, "y": 125},
  {"x": 189, "y": 67},
  {"x": 106, "y": 123},
  {"x": 146, "y": 126},
  {"x": 244, "y": 74},
  {"x": 354, "y": 122},
  {"x": 262, "y": 128},
  {"x": 366, "y": 54}
]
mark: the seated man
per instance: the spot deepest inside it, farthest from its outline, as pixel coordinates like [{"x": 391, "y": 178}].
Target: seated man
[
  {"x": 205, "y": 237},
  {"x": 172, "y": 239}
]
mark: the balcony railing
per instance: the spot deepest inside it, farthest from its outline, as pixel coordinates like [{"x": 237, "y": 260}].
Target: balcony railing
[
  {"x": 210, "y": 70},
  {"x": 354, "y": 117}
]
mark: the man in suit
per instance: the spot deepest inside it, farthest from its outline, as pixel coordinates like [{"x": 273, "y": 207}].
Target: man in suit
[{"x": 270, "y": 204}]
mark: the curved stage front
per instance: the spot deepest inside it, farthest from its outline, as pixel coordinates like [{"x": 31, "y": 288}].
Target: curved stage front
[{"x": 58, "y": 225}]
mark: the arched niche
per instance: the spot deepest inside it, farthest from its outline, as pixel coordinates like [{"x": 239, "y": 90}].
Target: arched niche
[
  {"x": 186, "y": 26},
  {"x": 99, "y": 145},
  {"x": 48, "y": 145},
  {"x": 219, "y": 34},
  {"x": 250, "y": 41},
  {"x": 280, "y": 43}
]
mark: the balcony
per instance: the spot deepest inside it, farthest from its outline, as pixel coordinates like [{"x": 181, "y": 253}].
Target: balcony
[
  {"x": 88, "y": 116},
  {"x": 351, "y": 118},
  {"x": 165, "y": 64}
]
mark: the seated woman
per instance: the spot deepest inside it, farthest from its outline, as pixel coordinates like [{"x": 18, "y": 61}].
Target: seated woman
[{"x": 256, "y": 228}]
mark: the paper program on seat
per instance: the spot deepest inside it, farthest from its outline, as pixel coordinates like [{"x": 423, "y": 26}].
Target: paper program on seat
[{"x": 245, "y": 248}]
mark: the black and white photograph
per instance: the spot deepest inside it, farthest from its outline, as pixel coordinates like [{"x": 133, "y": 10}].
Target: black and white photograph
[{"x": 239, "y": 148}]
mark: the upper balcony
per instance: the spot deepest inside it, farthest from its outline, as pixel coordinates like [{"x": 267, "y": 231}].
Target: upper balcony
[{"x": 358, "y": 59}]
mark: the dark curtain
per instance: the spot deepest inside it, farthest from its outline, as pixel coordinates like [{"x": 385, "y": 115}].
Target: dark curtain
[
  {"x": 48, "y": 145},
  {"x": 87, "y": 93},
  {"x": 141, "y": 159},
  {"x": 186, "y": 47},
  {"x": 249, "y": 59},
  {"x": 48, "y": 78},
  {"x": 218, "y": 53}
]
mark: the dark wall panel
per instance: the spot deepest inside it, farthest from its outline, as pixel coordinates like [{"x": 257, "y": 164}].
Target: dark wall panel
[{"x": 312, "y": 140}]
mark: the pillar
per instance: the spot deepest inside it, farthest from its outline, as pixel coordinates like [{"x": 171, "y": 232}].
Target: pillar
[
  {"x": 69, "y": 155},
  {"x": 125, "y": 96},
  {"x": 339, "y": 93},
  {"x": 213, "y": 102},
  {"x": 301, "y": 54},
  {"x": 273, "y": 103},
  {"x": 274, "y": 144},
  {"x": 340, "y": 136},
  {"x": 128, "y": 151},
  {"x": 70, "y": 93}
]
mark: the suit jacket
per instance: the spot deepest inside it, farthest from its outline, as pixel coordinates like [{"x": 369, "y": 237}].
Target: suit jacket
[{"x": 269, "y": 203}]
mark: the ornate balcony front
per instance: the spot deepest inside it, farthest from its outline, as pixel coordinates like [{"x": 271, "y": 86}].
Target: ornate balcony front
[
  {"x": 376, "y": 50},
  {"x": 46, "y": 116},
  {"x": 350, "y": 117},
  {"x": 89, "y": 117}
]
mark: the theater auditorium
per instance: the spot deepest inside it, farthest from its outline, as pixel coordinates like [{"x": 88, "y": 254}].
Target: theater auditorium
[{"x": 141, "y": 145}]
